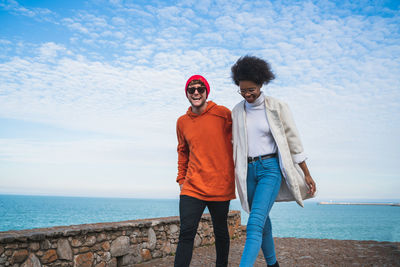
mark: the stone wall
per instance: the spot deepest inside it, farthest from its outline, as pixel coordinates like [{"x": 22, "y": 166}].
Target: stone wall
[{"x": 103, "y": 244}]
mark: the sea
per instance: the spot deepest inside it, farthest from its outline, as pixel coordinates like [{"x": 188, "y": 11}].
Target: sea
[{"x": 345, "y": 222}]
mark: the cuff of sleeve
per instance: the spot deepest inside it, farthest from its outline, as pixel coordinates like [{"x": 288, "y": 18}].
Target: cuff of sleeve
[{"x": 298, "y": 158}]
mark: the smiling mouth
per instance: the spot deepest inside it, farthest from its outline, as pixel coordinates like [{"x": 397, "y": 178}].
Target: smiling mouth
[{"x": 196, "y": 98}]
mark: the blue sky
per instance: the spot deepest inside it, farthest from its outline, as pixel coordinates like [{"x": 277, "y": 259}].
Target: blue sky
[{"x": 90, "y": 90}]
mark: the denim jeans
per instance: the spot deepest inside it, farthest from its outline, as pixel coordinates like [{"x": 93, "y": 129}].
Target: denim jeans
[
  {"x": 190, "y": 211},
  {"x": 263, "y": 184}
]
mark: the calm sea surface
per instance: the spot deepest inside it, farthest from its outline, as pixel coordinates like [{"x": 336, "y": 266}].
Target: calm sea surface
[{"x": 381, "y": 223}]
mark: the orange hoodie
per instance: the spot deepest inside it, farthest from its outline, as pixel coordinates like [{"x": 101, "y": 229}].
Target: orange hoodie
[{"x": 205, "y": 161}]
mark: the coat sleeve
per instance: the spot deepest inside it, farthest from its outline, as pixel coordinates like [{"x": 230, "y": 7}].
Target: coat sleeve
[
  {"x": 292, "y": 134},
  {"x": 183, "y": 155}
]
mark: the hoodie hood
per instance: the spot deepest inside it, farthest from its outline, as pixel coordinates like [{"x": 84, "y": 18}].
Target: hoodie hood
[
  {"x": 198, "y": 77},
  {"x": 210, "y": 106}
]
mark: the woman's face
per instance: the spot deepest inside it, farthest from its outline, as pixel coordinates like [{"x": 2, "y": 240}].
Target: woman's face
[{"x": 249, "y": 90}]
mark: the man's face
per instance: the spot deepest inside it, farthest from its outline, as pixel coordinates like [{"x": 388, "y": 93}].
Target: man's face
[{"x": 197, "y": 94}]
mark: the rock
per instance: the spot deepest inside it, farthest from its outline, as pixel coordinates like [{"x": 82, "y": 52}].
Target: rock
[
  {"x": 90, "y": 241},
  {"x": 231, "y": 230},
  {"x": 45, "y": 244},
  {"x": 173, "y": 248},
  {"x": 34, "y": 246},
  {"x": 101, "y": 237},
  {"x": 12, "y": 246},
  {"x": 19, "y": 256},
  {"x": 135, "y": 250},
  {"x": 64, "y": 250},
  {"x": 152, "y": 239},
  {"x": 23, "y": 245},
  {"x": 146, "y": 255},
  {"x": 157, "y": 254},
  {"x": 76, "y": 243},
  {"x": 84, "y": 249},
  {"x": 105, "y": 246},
  {"x": 145, "y": 245},
  {"x": 305, "y": 257},
  {"x": 197, "y": 241},
  {"x": 112, "y": 263},
  {"x": 105, "y": 256},
  {"x": 49, "y": 256},
  {"x": 120, "y": 246},
  {"x": 166, "y": 248},
  {"x": 173, "y": 228},
  {"x": 8, "y": 252},
  {"x": 127, "y": 260},
  {"x": 84, "y": 260},
  {"x": 32, "y": 261}
]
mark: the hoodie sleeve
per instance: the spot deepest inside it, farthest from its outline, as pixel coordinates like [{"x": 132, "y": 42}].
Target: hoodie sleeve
[
  {"x": 183, "y": 155},
  {"x": 229, "y": 125}
]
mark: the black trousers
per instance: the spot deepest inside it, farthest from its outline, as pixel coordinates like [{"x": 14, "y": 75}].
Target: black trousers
[{"x": 190, "y": 211}]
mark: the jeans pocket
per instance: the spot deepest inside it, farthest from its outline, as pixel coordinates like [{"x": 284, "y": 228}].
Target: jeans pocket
[{"x": 271, "y": 164}]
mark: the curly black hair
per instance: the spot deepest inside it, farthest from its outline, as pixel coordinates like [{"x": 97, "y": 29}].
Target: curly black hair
[{"x": 250, "y": 68}]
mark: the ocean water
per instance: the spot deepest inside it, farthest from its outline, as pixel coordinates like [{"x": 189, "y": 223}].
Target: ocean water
[{"x": 380, "y": 223}]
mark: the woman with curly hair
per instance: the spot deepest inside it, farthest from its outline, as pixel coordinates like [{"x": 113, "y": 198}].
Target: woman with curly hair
[{"x": 269, "y": 159}]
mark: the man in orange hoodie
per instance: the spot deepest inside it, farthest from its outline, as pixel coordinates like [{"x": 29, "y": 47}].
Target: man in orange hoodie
[{"x": 205, "y": 170}]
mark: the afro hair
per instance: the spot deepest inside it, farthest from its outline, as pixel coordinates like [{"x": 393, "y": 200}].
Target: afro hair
[{"x": 250, "y": 68}]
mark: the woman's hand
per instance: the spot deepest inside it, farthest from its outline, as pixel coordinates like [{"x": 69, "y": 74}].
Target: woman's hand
[
  {"x": 309, "y": 181},
  {"x": 311, "y": 185}
]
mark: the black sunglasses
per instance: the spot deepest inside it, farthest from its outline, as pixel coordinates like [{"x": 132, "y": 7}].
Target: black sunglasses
[{"x": 201, "y": 89}]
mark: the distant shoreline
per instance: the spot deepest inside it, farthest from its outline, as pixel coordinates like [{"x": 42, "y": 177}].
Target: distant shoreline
[{"x": 362, "y": 204}]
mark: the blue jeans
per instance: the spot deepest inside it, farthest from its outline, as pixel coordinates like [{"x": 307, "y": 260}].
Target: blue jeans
[{"x": 263, "y": 184}]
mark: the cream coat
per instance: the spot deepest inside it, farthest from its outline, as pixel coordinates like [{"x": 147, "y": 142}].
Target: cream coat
[{"x": 290, "y": 150}]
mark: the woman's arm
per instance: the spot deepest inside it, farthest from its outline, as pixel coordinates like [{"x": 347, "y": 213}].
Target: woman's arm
[
  {"x": 309, "y": 180},
  {"x": 292, "y": 134},
  {"x": 295, "y": 146}
]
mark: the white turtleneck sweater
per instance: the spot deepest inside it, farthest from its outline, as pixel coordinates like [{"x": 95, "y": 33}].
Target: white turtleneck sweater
[{"x": 259, "y": 137}]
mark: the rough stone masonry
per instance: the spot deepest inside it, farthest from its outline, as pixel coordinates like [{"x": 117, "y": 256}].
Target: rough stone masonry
[{"x": 103, "y": 244}]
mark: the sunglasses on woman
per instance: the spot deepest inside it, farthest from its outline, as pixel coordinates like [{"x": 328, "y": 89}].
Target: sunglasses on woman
[{"x": 200, "y": 89}]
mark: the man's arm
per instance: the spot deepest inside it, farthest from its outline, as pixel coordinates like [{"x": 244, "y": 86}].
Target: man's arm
[{"x": 183, "y": 156}]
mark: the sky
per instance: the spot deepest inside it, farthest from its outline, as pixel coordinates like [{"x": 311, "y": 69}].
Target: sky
[{"x": 90, "y": 91}]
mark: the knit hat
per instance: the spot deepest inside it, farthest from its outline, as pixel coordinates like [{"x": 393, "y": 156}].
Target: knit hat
[{"x": 198, "y": 77}]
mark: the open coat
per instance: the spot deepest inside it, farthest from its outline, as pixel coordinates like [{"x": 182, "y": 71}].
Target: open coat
[{"x": 290, "y": 151}]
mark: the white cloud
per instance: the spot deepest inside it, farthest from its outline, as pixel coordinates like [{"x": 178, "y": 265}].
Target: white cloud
[
  {"x": 122, "y": 75},
  {"x": 75, "y": 26},
  {"x": 5, "y": 42},
  {"x": 118, "y": 21},
  {"x": 37, "y": 13},
  {"x": 49, "y": 51},
  {"x": 87, "y": 151}
]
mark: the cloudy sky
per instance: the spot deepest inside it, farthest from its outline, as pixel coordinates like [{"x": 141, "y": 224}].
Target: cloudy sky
[{"x": 90, "y": 90}]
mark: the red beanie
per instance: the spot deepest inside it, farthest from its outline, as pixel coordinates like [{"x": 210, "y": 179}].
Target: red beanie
[{"x": 198, "y": 77}]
